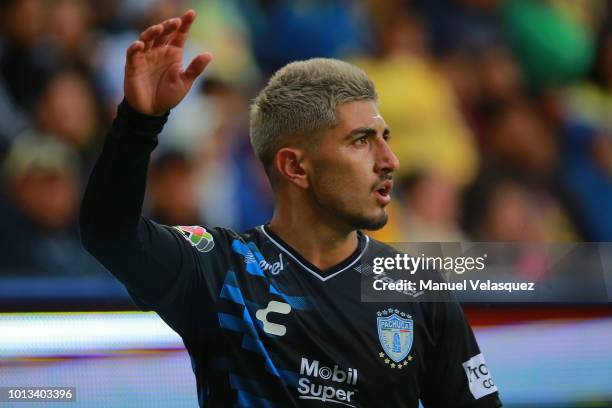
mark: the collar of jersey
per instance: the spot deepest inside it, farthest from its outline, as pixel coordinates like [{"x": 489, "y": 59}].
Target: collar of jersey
[{"x": 329, "y": 273}]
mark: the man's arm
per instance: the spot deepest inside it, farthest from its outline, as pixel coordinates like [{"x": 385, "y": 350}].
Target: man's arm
[
  {"x": 145, "y": 256},
  {"x": 457, "y": 374}
]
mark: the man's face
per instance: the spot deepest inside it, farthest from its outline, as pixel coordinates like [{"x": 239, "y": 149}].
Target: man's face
[{"x": 351, "y": 169}]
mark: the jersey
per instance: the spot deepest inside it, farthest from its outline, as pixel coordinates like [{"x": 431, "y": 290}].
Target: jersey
[
  {"x": 272, "y": 330},
  {"x": 263, "y": 326}
]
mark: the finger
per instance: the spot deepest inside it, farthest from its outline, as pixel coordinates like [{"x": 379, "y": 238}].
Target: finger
[
  {"x": 196, "y": 67},
  {"x": 148, "y": 35},
  {"x": 169, "y": 27},
  {"x": 133, "y": 49},
  {"x": 181, "y": 34}
]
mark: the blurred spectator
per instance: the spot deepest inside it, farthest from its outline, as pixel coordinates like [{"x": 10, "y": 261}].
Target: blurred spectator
[
  {"x": 38, "y": 230},
  {"x": 26, "y": 62},
  {"x": 519, "y": 141},
  {"x": 432, "y": 208},
  {"x": 226, "y": 32},
  {"x": 590, "y": 101},
  {"x": 587, "y": 174},
  {"x": 235, "y": 190},
  {"x": 27, "y": 57},
  {"x": 553, "y": 47},
  {"x": 482, "y": 78},
  {"x": 172, "y": 190},
  {"x": 287, "y": 31},
  {"x": 418, "y": 102},
  {"x": 68, "y": 110},
  {"x": 522, "y": 142},
  {"x": 499, "y": 76},
  {"x": 505, "y": 211},
  {"x": 463, "y": 24},
  {"x": 72, "y": 32},
  {"x": 503, "y": 207}
]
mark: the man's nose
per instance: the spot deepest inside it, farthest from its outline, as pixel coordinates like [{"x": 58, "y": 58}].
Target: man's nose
[{"x": 386, "y": 161}]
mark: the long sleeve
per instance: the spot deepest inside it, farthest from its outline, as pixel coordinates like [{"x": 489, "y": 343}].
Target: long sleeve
[
  {"x": 112, "y": 228},
  {"x": 115, "y": 192}
]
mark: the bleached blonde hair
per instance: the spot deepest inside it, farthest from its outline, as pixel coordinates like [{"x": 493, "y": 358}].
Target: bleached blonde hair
[{"x": 300, "y": 101}]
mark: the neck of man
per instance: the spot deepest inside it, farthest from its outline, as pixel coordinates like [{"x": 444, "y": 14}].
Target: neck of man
[{"x": 318, "y": 236}]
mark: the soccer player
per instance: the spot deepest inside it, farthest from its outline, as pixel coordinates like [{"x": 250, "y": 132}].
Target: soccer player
[{"x": 273, "y": 317}]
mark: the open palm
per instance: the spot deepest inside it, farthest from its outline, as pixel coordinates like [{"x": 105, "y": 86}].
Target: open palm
[{"x": 154, "y": 77}]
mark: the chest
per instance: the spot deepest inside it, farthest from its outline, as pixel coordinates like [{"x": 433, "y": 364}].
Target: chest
[{"x": 331, "y": 343}]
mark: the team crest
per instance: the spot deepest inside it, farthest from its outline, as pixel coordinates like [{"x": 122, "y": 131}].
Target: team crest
[
  {"x": 395, "y": 333},
  {"x": 198, "y": 237}
]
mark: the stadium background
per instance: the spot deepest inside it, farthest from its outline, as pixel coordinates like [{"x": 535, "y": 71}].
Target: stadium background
[{"x": 501, "y": 114}]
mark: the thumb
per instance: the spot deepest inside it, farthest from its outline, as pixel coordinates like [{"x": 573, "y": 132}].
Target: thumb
[{"x": 196, "y": 67}]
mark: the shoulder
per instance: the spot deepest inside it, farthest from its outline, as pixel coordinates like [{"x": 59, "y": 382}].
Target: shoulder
[
  {"x": 376, "y": 248},
  {"x": 205, "y": 238}
]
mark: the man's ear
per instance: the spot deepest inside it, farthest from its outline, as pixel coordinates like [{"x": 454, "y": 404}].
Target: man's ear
[{"x": 289, "y": 163}]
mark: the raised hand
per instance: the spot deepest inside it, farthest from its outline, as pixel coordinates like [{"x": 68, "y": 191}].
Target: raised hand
[{"x": 154, "y": 77}]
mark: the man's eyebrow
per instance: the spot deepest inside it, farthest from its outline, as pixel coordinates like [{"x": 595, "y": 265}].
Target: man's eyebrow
[{"x": 366, "y": 130}]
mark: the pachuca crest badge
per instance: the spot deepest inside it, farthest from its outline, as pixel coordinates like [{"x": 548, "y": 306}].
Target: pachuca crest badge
[{"x": 395, "y": 333}]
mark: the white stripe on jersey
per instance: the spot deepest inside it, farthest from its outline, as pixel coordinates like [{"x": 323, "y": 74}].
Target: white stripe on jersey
[{"x": 282, "y": 248}]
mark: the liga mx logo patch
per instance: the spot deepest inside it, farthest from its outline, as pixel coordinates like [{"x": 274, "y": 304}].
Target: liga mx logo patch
[
  {"x": 198, "y": 237},
  {"x": 395, "y": 333}
]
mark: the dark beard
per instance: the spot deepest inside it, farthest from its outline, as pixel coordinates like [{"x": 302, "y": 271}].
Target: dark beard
[
  {"x": 330, "y": 204},
  {"x": 370, "y": 224}
]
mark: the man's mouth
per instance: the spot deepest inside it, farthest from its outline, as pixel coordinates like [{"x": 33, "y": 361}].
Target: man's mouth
[{"x": 383, "y": 192}]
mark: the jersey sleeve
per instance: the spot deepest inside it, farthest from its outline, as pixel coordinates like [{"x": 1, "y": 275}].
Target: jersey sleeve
[
  {"x": 163, "y": 269},
  {"x": 194, "y": 261},
  {"x": 457, "y": 374}
]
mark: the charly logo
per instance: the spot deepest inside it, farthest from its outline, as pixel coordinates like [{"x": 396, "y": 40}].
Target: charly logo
[
  {"x": 395, "y": 332},
  {"x": 273, "y": 307},
  {"x": 198, "y": 237}
]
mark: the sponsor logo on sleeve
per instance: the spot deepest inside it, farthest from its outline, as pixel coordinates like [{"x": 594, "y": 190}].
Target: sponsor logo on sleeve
[
  {"x": 198, "y": 237},
  {"x": 479, "y": 378}
]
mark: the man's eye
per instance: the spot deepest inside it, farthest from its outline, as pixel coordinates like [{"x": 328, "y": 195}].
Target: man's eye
[{"x": 363, "y": 140}]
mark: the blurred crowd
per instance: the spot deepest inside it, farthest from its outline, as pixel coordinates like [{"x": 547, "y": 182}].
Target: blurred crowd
[{"x": 501, "y": 114}]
